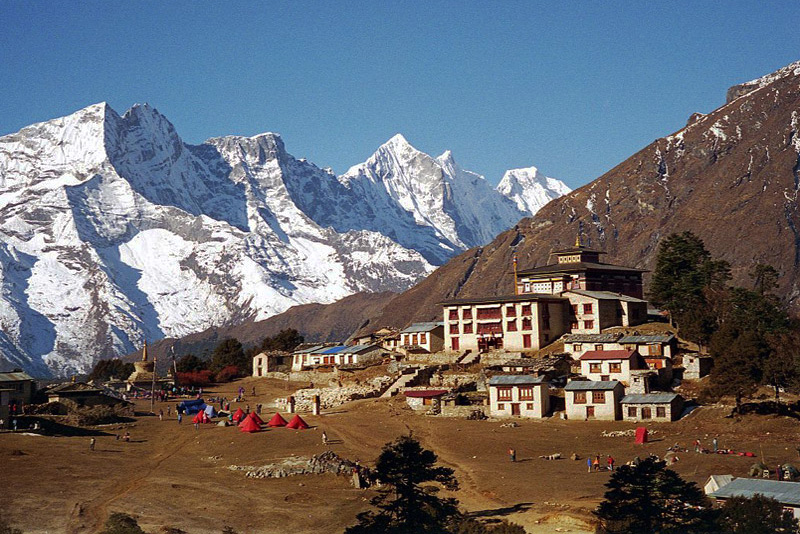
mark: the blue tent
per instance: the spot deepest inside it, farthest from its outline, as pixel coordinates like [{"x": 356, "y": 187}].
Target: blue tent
[
  {"x": 210, "y": 411},
  {"x": 191, "y": 406}
]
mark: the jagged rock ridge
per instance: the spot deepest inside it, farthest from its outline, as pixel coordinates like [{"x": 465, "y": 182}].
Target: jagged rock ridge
[{"x": 113, "y": 230}]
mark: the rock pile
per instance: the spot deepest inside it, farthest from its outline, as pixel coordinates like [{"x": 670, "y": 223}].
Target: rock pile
[{"x": 327, "y": 462}]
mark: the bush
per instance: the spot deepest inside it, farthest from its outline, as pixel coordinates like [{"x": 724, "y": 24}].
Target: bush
[
  {"x": 190, "y": 363},
  {"x": 228, "y": 373},
  {"x": 119, "y": 523},
  {"x": 196, "y": 378}
]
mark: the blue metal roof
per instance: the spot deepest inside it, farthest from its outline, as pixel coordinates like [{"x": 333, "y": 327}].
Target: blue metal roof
[
  {"x": 649, "y": 398},
  {"x": 333, "y": 350},
  {"x": 588, "y": 385},
  {"x": 514, "y": 380},
  {"x": 782, "y": 491}
]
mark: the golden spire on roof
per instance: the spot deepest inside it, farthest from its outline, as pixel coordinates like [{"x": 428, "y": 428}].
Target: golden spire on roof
[
  {"x": 578, "y": 240},
  {"x": 144, "y": 351}
]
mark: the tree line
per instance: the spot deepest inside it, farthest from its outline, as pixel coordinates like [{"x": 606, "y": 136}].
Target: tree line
[
  {"x": 228, "y": 360},
  {"x": 747, "y": 330}
]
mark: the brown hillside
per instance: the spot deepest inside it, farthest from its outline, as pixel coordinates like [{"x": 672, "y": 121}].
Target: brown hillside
[{"x": 731, "y": 176}]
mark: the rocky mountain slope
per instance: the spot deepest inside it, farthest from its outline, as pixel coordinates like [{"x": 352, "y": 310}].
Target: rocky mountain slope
[
  {"x": 113, "y": 231},
  {"x": 731, "y": 176}
]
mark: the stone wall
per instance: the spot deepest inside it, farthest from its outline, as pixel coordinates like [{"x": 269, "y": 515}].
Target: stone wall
[
  {"x": 461, "y": 411},
  {"x": 330, "y": 397}
]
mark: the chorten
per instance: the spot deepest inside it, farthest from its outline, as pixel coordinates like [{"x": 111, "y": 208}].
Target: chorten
[{"x": 144, "y": 369}]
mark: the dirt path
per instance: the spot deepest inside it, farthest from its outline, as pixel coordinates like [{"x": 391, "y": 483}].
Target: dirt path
[{"x": 90, "y": 516}]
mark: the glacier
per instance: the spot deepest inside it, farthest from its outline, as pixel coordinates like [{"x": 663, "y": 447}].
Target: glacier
[{"x": 113, "y": 231}]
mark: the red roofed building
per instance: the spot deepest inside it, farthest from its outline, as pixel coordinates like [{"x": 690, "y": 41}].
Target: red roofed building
[
  {"x": 424, "y": 399},
  {"x": 605, "y": 365}
]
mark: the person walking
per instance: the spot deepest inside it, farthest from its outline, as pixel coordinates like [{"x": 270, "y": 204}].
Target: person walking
[
  {"x": 91, "y": 444},
  {"x": 697, "y": 445},
  {"x": 715, "y": 443},
  {"x": 169, "y": 411},
  {"x": 254, "y": 391},
  {"x": 161, "y": 414},
  {"x": 610, "y": 462},
  {"x": 512, "y": 454},
  {"x": 180, "y": 417},
  {"x": 589, "y": 463},
  {"x": 324, "y": 438},
  {"x": 596, "y": 463}
]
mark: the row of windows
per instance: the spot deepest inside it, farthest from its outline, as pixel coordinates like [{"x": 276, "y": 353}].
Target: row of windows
[
  {"x": 647, "y": 412},
  {"x": 525, "y": 393},
  {"x": 491, "y": 313},
  {"x": 414, "y": 339},
  {"x": 598, "y": 397},
  {"x": 651, "y": 350},
  {"x": 587, "y": 309},
  {"x": 528, "y": 406},
  {"x": 587, "y": 325},
  {"x": 526, "y": 342},
  {"x": 612, "y": 368},
  {"x": 496, "y": 328}
]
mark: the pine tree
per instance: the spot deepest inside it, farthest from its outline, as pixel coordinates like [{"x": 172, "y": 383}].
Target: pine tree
[
  {"x": 406, "y": 506},
  {"x": 229, "y": 352},
  {"x": 756, "y": 515},
  {"x": 649, "y": 498}
]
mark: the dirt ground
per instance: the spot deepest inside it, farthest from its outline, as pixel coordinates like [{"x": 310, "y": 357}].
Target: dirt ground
[{"x": 171, "y": 474}]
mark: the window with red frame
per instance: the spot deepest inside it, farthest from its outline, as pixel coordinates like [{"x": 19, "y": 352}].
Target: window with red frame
[
  {"x": 588, "y": 325},
  {"x": 598, "y": 397},
  {"x": 587, "y": 308},
  {"x": 511, "y": 311},
  {"x": 454, "y": 315},
  {"x": 511, "y": 325},
  {"x": 467, "y": 328},
  {"x": 526, "y": 341},
  {"x": 525, "y": 393},
  {"x": 467, "y": 313},
  {"x": 526, "y": 309},
  {"x": 579, "y": 397},
  {"x": 527, "y": 324},
  {"x": 504, "y": 394}
]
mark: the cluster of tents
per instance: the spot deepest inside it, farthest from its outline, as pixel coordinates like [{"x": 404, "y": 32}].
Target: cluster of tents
[
  {"x": 247, "y": 422},
  {"x": 252, "y": 422}
]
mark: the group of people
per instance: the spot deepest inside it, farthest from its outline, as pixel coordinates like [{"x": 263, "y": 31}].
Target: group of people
[{"x": 594, "y": 464}]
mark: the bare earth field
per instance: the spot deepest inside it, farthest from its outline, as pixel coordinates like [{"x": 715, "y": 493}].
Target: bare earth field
[{"x": 174, "y": 475}]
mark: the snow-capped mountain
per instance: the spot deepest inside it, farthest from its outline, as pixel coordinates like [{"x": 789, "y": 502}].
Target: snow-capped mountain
[
  {"x": 113, "y": 231},
  {"x": 530, "y": 191}
]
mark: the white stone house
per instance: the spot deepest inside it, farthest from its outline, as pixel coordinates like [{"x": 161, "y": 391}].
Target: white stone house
[
  {"x": 605, "y": 365},
  {"x": 696, "y": 365},
  {"x": 593, "y": 400},
  {"x": 594, "y": 311},
  {"x": 335, "y": 356},
  {"x": 652, "y": 407},
  {"x": 655, "y": 345},
  {"x": 512, "y": 323},
  {"x": 577, "y": 344},
  {"x": 519, "y": 395},
  {"x": 423, "y": 337},
  {"x": 265, "y": 362}
]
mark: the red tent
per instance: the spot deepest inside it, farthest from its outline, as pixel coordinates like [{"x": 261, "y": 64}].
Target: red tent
[
  {"x": 249, "y": 425},
  {"x": 277, "y": 420},
  {"x": 641, "y": 435},
  {"x": 297, "y": 423},
  {"x": 256, "y": 418},
  {"x": 201, "y": 417},
  {"x": 239, "y": 415}
]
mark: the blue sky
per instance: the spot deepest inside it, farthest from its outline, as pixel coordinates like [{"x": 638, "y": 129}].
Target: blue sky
[{"x": 571, "y": 87}]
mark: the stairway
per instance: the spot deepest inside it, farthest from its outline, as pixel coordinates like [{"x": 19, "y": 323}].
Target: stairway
[
  {"x": 469, "y": 358},
  {"x": 407, "y": 379}
]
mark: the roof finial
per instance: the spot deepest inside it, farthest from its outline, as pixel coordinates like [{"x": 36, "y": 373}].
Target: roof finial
[
  {"x": 578, "y": 240},
  {"x": 144, "y": 351}
]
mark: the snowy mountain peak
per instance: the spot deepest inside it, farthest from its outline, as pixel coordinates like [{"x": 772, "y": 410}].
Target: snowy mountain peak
[
  {"x": 529, "y": 190},
  {"x": 113, "y": 230}
]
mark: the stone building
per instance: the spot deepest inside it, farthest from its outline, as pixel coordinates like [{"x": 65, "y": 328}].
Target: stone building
[
  {"x": 593, "y": 400},
  {"x": 519, "y": 395},
  {"x": 652, "y": 407}
]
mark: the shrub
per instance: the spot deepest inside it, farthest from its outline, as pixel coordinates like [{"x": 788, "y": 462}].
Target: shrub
[
  {"x": 228, "y": 373},
  {"x": 119, "y": 523},
  {"x": 196, "y": 378}
]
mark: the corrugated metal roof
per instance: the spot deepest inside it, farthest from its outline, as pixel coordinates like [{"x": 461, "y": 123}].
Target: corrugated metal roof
[
  {"x": 649, "y": 398},
  {"x": 14, "y": 376},
  {"x": 309, "y": 350},
  {"x": 422, "y": 327},
  {"x": 333, "y": 350},
  {"x": 605, "y": 295},
  {"x": 607, "y": 355},
  {"x": 515, "y": 380},
  {"x": 591, "y": 338},
  {"x": 355, "y": 349},
  {"x": 588, "y": 385},
  {"x": 782, "y": 491},
  {"x": 655, "y": 338}
]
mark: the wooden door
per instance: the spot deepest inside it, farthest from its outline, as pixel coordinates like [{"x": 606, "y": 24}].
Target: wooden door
[
  {"x": 514, "y": 408},
  {"x": 590, "y": 412},
  {"x": 647, "y": 412}
]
